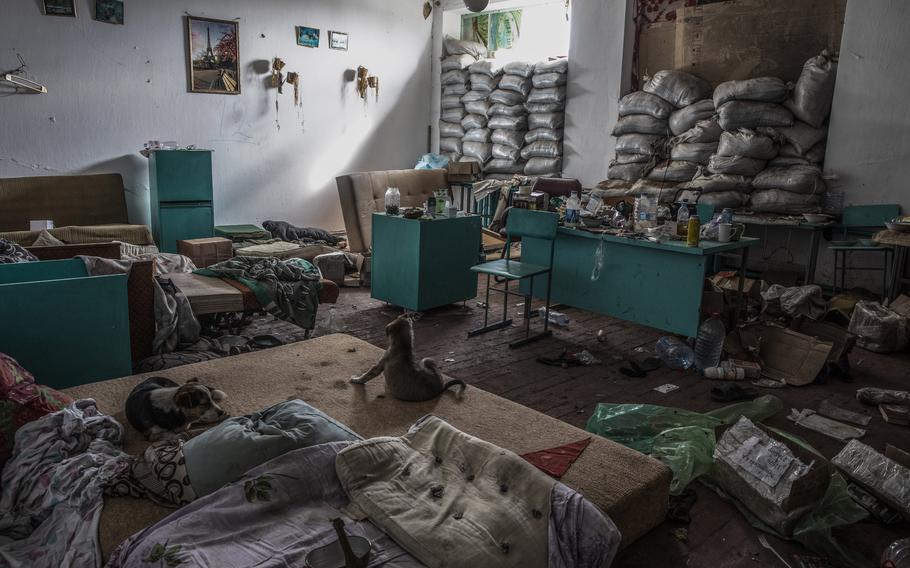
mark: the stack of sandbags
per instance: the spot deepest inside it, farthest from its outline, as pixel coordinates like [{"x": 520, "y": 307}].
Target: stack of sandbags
[
  {"x": 546, "y": 106},
  {"x": 458, "y": 56},
  {"x": 477, "y": 142},
  {"x": 509, "y": 120},
  {"x": 640, "y": 132}
]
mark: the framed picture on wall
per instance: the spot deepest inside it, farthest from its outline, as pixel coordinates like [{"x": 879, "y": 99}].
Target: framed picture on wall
[
  {"x": 307, "y": 37},
  {"x": 213, "y": 57},
  {"x": 338, "y": 40},
  {"x": 109, "y": 11},
  {"x": 60, "y": 8}
]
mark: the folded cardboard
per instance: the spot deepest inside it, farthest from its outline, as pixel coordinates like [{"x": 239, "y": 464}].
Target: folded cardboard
[
  {"x": 842, "y": 340},
  {"x": 462, "y": 172},
  {"x": 728, "y": 281},
  {"x": 784, "y": 354},
  {"x": 895, "y": 414}
]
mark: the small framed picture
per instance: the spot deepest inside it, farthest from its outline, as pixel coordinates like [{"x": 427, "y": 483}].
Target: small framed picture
[
  {"x": 109, "y": 11},
  {"x": 338, "y": 40},
  {"x": 307, "y": 37},
  {"x": 213, "y": 56},
  {"x": 60, "y": 8}
]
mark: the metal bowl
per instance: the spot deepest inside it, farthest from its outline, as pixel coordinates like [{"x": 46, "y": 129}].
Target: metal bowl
[{"x": 592, "y": 221}]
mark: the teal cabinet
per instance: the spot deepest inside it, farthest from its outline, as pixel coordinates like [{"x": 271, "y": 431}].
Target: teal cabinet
[
  {"x": 180, "y": 194},
  {"x": 421, "y": 265}
]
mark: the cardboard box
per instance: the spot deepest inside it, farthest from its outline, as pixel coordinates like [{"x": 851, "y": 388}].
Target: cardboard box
[
  {"x": 901, "y": 305},
  {"x": 842, "y": 339},
  {"x": 463, "y": 172},
  {"x": 332, "y": 266},
  {"x": 40, "y": 224},
  {"x": 206, "y": 252},
  {"x": 729, "y": 282},
  {"x": 784, "y": 354},
  {"x": 536, "y": 201}
]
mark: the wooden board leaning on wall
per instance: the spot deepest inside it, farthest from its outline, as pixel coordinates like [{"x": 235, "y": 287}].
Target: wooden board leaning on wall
[{"x": 739, "y": 39}]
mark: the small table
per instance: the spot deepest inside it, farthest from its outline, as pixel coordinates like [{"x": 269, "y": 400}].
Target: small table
[
  {"x": 816, "y": 229},
  {"x": 654, "y": 284},
  {"x": 422, "y": 264}
]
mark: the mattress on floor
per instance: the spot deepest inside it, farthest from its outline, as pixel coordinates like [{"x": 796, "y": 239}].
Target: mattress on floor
[{"x": 630, "y": 487}]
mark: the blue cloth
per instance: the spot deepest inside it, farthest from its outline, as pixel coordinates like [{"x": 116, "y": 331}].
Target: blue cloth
[{"x": 432, "y": 162}]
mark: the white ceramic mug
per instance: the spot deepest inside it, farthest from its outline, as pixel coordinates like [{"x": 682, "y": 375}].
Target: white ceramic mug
[{"x": 724, "y": 231}]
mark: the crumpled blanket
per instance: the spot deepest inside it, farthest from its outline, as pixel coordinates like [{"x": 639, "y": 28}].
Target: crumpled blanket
[
  {"x": 11, "y": 253},
  {"x": 306, "y": 235},
  {"x": 52, "y": 488},
  {"x": 287, "y": 289}
]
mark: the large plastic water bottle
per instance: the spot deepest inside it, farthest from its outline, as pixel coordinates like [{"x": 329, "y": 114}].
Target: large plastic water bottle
[
  {"x": 709, "y": 344},
  {"x": 573, "y": 208},
  {"x": 898, "y": 554},
  {"x": 675, "y": 353}
]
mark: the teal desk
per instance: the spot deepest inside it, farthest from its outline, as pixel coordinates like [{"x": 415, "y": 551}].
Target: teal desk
[
  {"x": 420, "y": 265},
  {"x": 658, "y": 285}
]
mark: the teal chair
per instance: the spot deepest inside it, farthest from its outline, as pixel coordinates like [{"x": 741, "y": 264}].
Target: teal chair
[
  {"x": 864, "y": 221},
  {"x": 521, "y": 223}
]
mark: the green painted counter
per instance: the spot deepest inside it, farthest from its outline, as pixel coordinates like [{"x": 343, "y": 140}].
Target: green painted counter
[
  {"x": 423, "y": 264},
  {"x": 654, "y": 284}
]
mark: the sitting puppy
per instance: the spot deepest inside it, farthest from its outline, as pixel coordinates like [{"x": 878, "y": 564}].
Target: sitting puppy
[
  {"x": 405, "y": 377},
  {"x": 159, "y": 408}
]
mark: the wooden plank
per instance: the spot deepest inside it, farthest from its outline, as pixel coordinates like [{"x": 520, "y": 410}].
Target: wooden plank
[{"x": 208, "y": 295}]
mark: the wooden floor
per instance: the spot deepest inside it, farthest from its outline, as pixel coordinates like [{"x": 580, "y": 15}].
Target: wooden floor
[{"x": 718, "y": 535}]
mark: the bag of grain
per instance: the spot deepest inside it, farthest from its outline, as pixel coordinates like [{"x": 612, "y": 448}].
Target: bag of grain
[
  {"x": 687, "y": 117},
  {"x": 678, "y": 87},
  {"x": 766, "y": 89}
]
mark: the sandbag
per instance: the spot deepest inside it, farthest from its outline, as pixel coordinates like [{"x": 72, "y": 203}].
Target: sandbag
[
  {"x": 783, "y": 202},
  {"x": 766, "y": 89},
  {"x": 678, "y": 87},
  {"x": 550, "y": 120},
  {"x": 509, "y": 98},
  {"x": 519, "y": 68},
  {"x": 639, "y": 124},
  {"x": 483, "y": 83},
  {"x": 735, "y": 165},
  {"x": 688, "y": 116},
  {"x": 543, "y": 134},
  {"x": 719, "y": 199},
  {"x": 664, "y": 191},
  {"x": 789, "y": 151},
  {"x": 814, "y": 90},
  {"x": 516, "y": 84},
  {"x": 749, "y": 114},
  {"x": 554, "y": 95},
  {"x": 473, "y": 96},
  {"x": 495, "y": 166},
  {"x": 454, "y": 46},
  {"x": 796, "y": 179},
  {"x": 508, "y": 123},
  {"x": 788, "y": 161},
  {"x": 450, "y": 145},
  {"x": 673, "y": 170},
  {"x": 816, "y": 154},
  {"x": 450, "y": 129},
  {"x": 542, "y": 149},
  {"x": 455, "y": 77},
  {"x": 703, "y": 131},
  {"x": 627, "y": 172},
  {"x": 615, "y": 184},
  {"x": 456, "y": 62},
  {"x": 499, "y": 176},
  {"x": 488, "y": 67},
  {"x": 513, "y": 138},
  {"x": 454, "y": 89},
  {"x": 544, "y": 107},
  {"x": 637, "y": 143},
  {"x": 477, "y": 107},
  {"x": 477, "y": 135},
  {"x": 631, "y": 159},
  {"x": 543, "y": 166},
  {"x": 477, "y": 150},
  {"x": 453, "y": 114},
  {"x": 452, "y": 156},
  {"x": 451, "y": 101},
  {"x": 500, "y": 109},
  {"x": 641, "y": 102},
  {"x": 718, "y": 182},
  {"x": 697, "y": 152},
  {"x": 548, "y": 80},
  {"x": 802, "y": 136},
  {"x": 748, "y": 143},
  {"x": 555, "y": 66},
  {"x": 472, "y": 121},
  {"x": 503, "y": 152}
]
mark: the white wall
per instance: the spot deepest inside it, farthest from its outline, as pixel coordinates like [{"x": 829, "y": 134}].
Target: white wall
[
  {"x": 111, "y": 88},
  {"x": 600, "y": 59}
]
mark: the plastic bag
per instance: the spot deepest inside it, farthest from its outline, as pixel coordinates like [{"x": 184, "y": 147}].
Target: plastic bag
[
  {"x": 703, "y": 131},
  {"x": 473, "y": 96},
  {"x": 719, "y": 182},
  {"x": 795, "y": 300},
  {"x": 555, "y": 66},
  {"x": 454, "y": 46},
  {"x": 747, "y": 143},
  {"x": 450, "y": 129},
  {"x": 627, "y": 172},
  {"x": 515, "y": 83},
  {"x": 814, "y": 90},
  {"x": 500, "y": 109},
  {"x": 767, "y": 89},
  {"x": 784, "y": 202},
  {"x": 544, "y": 108},
  {"x": 543, "y": 134},
  {"x": 688, "y": 116},
  {"x": 456, "y": 62},
  {"x": 543, "y": 166},
  {"x": 503, "y": 152},
  {"x": 488, "y": 67},
  {"x": 453, "y": 114},
  {"x": 508, "y": 123},
  {"x": 451, "y": 101},
  {"x": 877, "y": 328},
  {"x": 548, "y": 80},
  {"x": 697, "y": 152},
  {"x": 640, "y": 124},
  {"x": 477, "y": 135},
  {"x": 454, "y": 78},
  {"x": 749, "y": 114},
  {"x": 513, "y": 138},
  {"x": 483, "y": 83},
  {"x": 450, "y": 145},
  {"x": 520, "y": 68},
  {"x": 641, "y": 102},
  {"x": 637, "y": 143},
  {"x": 673, "y": 170},
  {"x": 551, "y": 120},
  {"x": 477, "y": 107},
  {"x": 736, "y": 165},
  {"x": 542, "y": 149},
  {"x": 678, "y": 87},
  {"x": 797, "y": 179},
  {"x": 477, "y": 150},
  {"x": 432, "y": 162},
  {"x": 598, "y": 260},
  {"x": 472, "y": 121},
  {"x": 687, "y": 451},
  {"x": 452, "y": 156},
  {"x": 504, "y": 167}
]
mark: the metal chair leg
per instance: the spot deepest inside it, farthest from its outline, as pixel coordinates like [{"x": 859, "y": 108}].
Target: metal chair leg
[
  {"x": 546, "y": 320},
  {"x": 498, "y": 325}
]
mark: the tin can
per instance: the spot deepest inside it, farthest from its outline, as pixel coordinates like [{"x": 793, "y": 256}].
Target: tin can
[{"x": 692, "y": 234}]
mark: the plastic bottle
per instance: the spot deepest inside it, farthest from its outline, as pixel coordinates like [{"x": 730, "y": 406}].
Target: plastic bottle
[
  {"x": 898, "y": 554},
  {"x": 709, "y": 344},
  {"x": 331, "y": 325},
  {"x": 573, "y": 205},
  {"x": 682, "y": 218},
  {"x": 556, "y": 318},
  {"x": 675, "y": 353}
]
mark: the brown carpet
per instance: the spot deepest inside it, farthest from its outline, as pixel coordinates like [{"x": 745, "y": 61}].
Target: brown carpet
[{"x": 629, "y": 486}]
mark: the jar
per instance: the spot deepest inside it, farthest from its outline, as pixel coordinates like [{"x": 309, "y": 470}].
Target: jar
[{"x": 392, "y": 201}]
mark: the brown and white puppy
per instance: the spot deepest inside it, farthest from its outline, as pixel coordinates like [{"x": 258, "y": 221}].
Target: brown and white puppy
[
  {"x": 159, "y": 408},
  {"x": 406, "y": 378}
]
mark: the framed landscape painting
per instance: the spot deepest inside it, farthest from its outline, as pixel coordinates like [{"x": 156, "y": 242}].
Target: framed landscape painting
[
  {"x": 214, "y": 56},
  {"x": 307, "y": 37}
]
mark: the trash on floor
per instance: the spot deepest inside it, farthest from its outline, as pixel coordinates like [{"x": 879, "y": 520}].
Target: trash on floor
[
  {"x": 794, "y": 301},
  {"x": 808, "y": 418},
  {"x": 877, "y": 474},
  {"x": 664, "y": 389},
  {"x": 875, "y": 396},
  {"x": 785, "y": 354},
  {"x": 895, "y": 414},
  {"x": 881, "y": 512},
  {"x": 566, "y": 359},
  {"x": 842, "y": 339},
  {"x": 637, "y": 370},
  {"x": 830, "y": 410},
  {"x": 898, "y": 455},
  {"x": 877, "y": 328}
]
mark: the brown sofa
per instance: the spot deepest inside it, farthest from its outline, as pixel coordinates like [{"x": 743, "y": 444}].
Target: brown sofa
[{"x": 363, "y": 194}]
